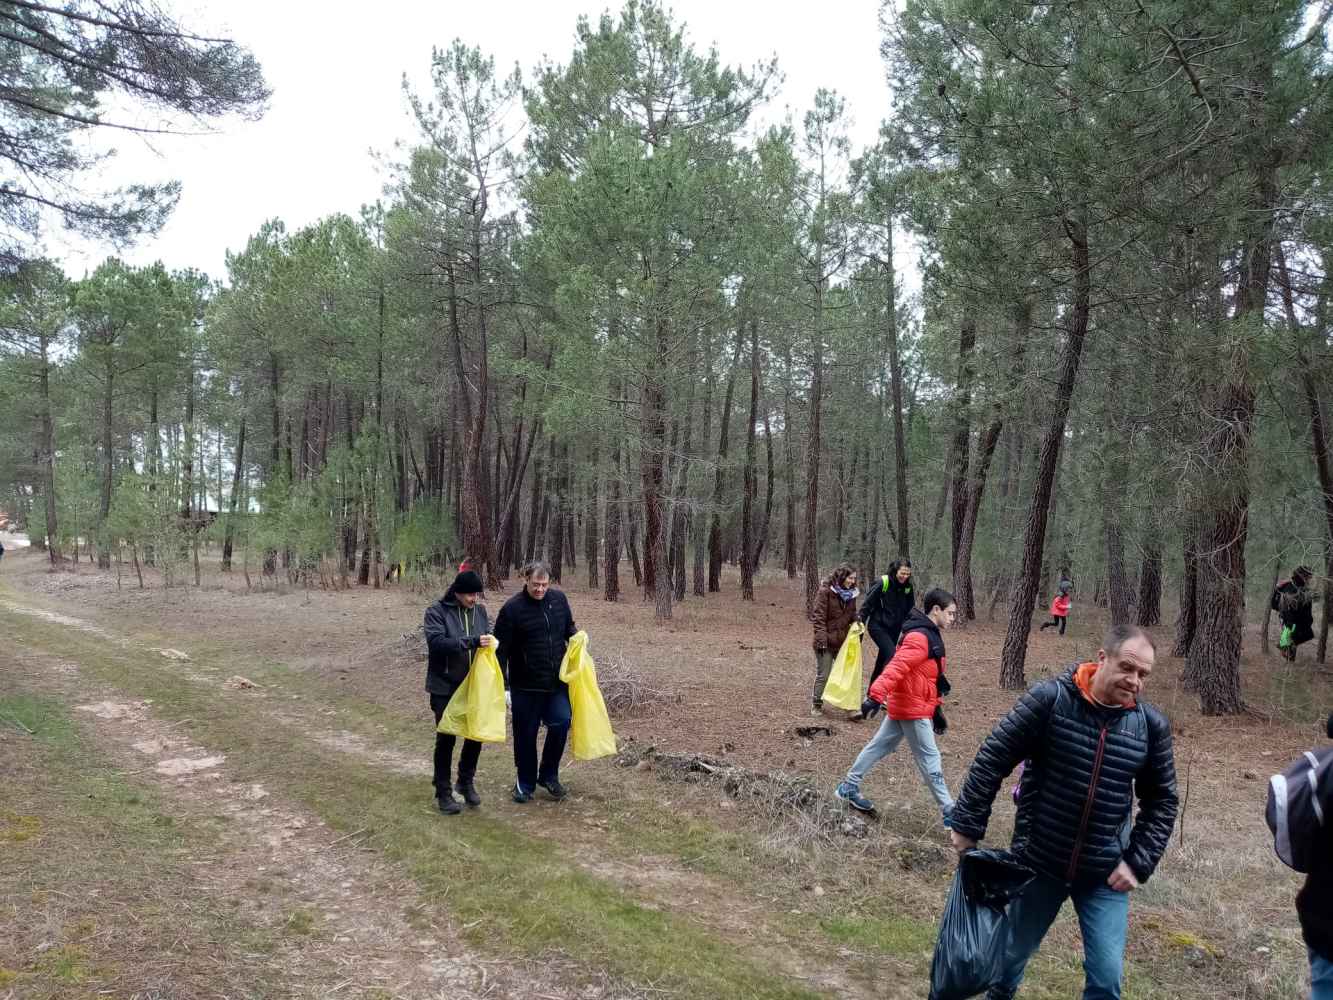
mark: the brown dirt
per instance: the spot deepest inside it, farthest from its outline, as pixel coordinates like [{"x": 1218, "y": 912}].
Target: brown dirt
[
  {"x": 277, "y": 865},
  {"x": 743, "y": 673}
]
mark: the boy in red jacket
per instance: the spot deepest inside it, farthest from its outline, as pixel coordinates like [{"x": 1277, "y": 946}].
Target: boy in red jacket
[{"x": 910, "y": 689}]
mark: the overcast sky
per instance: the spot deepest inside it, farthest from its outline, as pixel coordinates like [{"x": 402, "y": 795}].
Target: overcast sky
[{"x": 336, "y": 69}]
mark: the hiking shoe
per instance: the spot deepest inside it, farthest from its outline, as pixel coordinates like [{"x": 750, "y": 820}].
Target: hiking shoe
[
  {"x": 521, "y": 796},
  {"x": 448, "y": 805},
  {"x": 554, "y": 788},
  {"x": 469, "y": 793},
  {"x": 817, "y": 711},
  {"x": 854, "y": 798}
]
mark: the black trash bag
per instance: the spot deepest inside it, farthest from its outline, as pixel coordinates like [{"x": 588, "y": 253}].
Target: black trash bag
[{"x": 969, "y": 954}]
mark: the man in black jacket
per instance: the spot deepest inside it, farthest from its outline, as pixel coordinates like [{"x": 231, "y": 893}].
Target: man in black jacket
[
  {"x": 1314, "y": 905},
  {"x": 533, "y": 629},
  {"x": 1091, "y": 745},
  {"x": 456, "y": 625}
]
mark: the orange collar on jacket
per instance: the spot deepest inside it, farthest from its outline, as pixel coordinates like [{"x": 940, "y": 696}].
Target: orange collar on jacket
[{"x": 1083, "y": 679}]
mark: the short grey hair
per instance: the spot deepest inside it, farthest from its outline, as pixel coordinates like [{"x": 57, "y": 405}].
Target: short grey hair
[
  {"x": 1117, "y": 635},
  {"x": 535, "y": 568}
]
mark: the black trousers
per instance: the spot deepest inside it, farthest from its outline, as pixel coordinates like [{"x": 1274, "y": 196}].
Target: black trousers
[
  {"x": 1055, "y": 619},
  {"x": 886, "y": 641},
  {"x": 444, "y": 753}
]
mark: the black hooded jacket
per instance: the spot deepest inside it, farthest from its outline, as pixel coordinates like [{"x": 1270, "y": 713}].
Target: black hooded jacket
[
  {"x": 1314, "y": 903},
  {"x": 887, "y": 603},
  {"x": 452, "y": 634},
  {"x": 1294, "y": 604},
  {"x": 1086, "y": 765}
]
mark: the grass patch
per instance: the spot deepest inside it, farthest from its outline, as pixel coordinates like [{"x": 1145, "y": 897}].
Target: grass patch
[
  {"x": 506, "y": 887},
  {"x": 903, "y": 937}
]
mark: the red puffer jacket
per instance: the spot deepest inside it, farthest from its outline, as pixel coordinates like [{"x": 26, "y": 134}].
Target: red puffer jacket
[{"x": 908, "y": 688}]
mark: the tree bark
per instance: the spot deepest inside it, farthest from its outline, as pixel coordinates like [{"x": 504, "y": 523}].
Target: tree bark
[
  {"x": 108, "y": 466},
  {"x": 719, "y": 481},
  {"x": 1014, "y": 654},
  {"x": 748, "y": 543},
  {"x": 813, "y": 446},
  {"x": 48, "y": 451},
  {"x": 1150, "y": 582},
  {"x": 896, "y": 381},
  {"x": 961, "y": 451},
  {"x": 234, "y": 501}
]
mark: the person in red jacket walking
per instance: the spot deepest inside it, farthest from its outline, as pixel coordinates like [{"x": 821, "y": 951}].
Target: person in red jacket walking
[
  {"x": 1059, "y": 613},
  {"x": 910, "y": 688}
]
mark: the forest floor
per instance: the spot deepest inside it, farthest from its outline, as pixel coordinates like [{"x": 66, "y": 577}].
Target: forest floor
[{"x": 167, "y": 831}]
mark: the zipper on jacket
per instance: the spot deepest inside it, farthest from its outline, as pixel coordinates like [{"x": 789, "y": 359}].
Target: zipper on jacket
[{"x": 1087, "y": 806}]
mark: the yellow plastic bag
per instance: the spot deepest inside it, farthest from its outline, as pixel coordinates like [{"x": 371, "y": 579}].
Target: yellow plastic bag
[
  {"x": 843, "y": 689},
  {"x": 590, "y": 728},
  {"x": 476, "y": 711}
]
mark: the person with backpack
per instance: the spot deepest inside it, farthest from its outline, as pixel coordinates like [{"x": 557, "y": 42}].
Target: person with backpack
[
  {"x": 1300, "y": 814},
  {"x": 1091, "y": 745},
  {"x": 910, "y": 689},
  {"x": 456, "y": 627},
  {"x": 832, "y": 617},
  {"x": 885, "y": 609},
  {"x": 1293, "y": 600}
]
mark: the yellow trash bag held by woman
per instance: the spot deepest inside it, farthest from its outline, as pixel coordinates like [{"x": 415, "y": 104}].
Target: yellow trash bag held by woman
[
  {"x": 843, "y": 689},
  {"x": 590, "y": 727},
  {"x": 476, "y": 710}
]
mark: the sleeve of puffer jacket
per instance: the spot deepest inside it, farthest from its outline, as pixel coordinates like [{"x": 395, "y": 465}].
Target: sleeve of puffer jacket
[
  {"x": 911, "y": 653},
  {"x": 1155, "y": 786},
  {"x": 819, "y": 618},
  {"x": 1015, "y": 738}
]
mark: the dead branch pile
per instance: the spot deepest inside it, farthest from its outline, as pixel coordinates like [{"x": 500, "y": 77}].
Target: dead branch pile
[
  {"x": 625, "y": 691},
  {"x": 799, "y": 812}
]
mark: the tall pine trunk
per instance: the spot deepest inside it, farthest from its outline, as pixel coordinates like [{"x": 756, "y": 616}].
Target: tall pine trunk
[
  {"x": 748, "y": 541},
  {"x": 1013, "y": 656}
]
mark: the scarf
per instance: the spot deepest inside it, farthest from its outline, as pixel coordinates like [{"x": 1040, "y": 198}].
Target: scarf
[{"x": 846, "y": 595}]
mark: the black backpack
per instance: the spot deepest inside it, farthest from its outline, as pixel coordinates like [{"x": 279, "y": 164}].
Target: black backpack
[{"x": 1300, "y": 806}]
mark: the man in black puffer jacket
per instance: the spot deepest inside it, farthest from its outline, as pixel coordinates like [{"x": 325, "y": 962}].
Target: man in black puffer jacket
[
  {"x": 1314, "y": 905},
  {"x": 1091, "y": 746},
  {"x": 533, "y": 629}
]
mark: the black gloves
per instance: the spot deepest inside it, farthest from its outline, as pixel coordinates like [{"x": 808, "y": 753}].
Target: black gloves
[
  {"x": 870, "y": 708},
  {"x": 939, "y": 722},
  {"x": 942, "y": 684}
]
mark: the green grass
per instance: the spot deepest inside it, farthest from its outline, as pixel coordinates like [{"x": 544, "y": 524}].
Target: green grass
[
  {"x": 508, "y": 888},
  {"x": 95, "y": 871}
]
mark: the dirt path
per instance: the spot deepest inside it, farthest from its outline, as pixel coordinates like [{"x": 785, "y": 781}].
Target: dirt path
[
  {"x": 348, "y": 890},
  {"x": 354, "y": 938}
]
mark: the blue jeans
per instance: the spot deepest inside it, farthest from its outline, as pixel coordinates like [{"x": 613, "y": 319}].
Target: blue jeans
[
  {"x": 920, "y": 736},
  {"x": 1103, "y": 917},
  {"x": 1321, "y": 977},
  {"x": 531, "y": 709}
]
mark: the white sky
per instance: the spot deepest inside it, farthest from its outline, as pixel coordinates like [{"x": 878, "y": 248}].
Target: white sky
[{"x": 336, "y": 68}]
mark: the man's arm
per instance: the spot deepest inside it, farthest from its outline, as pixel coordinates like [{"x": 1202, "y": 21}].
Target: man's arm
[
  {"x": 1155, "y": 785},
  {"x": 1015, "y": 738}
]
